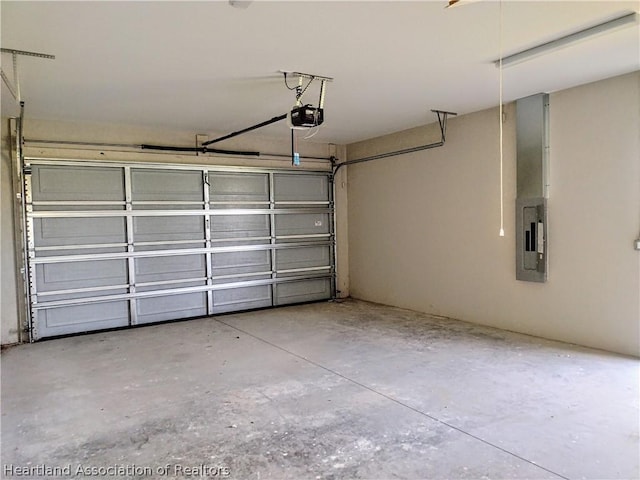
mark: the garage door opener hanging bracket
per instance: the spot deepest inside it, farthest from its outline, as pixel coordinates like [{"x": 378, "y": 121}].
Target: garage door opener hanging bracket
[{"x": 15, "y": 87}]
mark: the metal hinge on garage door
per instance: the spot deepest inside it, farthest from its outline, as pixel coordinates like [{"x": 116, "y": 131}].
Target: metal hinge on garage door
[{"x": 114, "y": 244}]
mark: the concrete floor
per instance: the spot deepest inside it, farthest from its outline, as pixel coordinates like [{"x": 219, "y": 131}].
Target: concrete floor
[{"x": 329, "y": 390}]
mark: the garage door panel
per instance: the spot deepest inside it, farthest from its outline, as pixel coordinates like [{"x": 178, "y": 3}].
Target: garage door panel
[
  {"x": 234, "y": 263},
  {"x": 304, "y": 257},
  {"x": 241, "y": 298},
  {"x": 171, "y": 307},
  {"x": 168, "y": 213},
  {"x": 164, "y": 245},
  {"x": 169, "y": 285},
  {"x": 166, "y": 185},
  {"x": 68, "y": 183},
  {"x": 57, "y": 251},
  {"x": 239, "y": 278},
  {"x": 74, "y": 231},
  {"x": 70, "y": 275},
  {"x": 302, "y": 224},
  {"x": 240, "y": 226},
  {"x": 239, "y": 187},
  {"x": 82, "y": 318},
  {"x": 243, "y": 242},
  {"x": 301, "y": 188},
  {"x": 146, "y": 229},
  {"x": 79, "y": 206},
  {"x": 90, "y": 293},
  {"x": 303, "y": 291},
  {"x": 154, "y": 269}
]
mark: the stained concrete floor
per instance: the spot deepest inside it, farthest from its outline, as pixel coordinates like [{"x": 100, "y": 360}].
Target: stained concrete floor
[{"x": 330, "y": 390}]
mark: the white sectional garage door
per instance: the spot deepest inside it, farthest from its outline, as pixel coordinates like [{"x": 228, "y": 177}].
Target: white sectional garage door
[{"x": 112, "y": 245}]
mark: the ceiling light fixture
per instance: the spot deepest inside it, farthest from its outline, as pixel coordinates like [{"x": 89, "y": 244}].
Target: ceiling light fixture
[{"x": 568, "y": 40}]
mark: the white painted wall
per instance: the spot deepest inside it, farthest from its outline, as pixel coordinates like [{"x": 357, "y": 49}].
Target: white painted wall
[
  {"x": 122, "y": 134},
  {"x": 423, "y": 227}
]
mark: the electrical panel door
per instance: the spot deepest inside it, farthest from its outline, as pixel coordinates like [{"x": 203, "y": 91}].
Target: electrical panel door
[{"x": 531, "y": 239}]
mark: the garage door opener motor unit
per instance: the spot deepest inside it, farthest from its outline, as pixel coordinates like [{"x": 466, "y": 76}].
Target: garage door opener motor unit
[{"x": 304, "y": 116}]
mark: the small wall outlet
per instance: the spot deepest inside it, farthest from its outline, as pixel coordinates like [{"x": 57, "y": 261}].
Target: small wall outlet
[{"x": 636, "y": 244}]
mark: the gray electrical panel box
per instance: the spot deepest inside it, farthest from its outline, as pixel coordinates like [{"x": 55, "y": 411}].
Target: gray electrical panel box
[
  {"x": 531, "y": 239},
  {"x": 532, "y": 145}
]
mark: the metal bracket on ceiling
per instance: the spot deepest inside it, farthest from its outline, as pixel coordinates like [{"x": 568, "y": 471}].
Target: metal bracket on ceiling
[
  {"x": 442, "y": 122},
  {"x": 15, "y": 87},
  {"x": 307, "y": 76}
]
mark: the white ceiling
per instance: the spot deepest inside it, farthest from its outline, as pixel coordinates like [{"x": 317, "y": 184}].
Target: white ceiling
[{"x": 209, "y": 67}]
